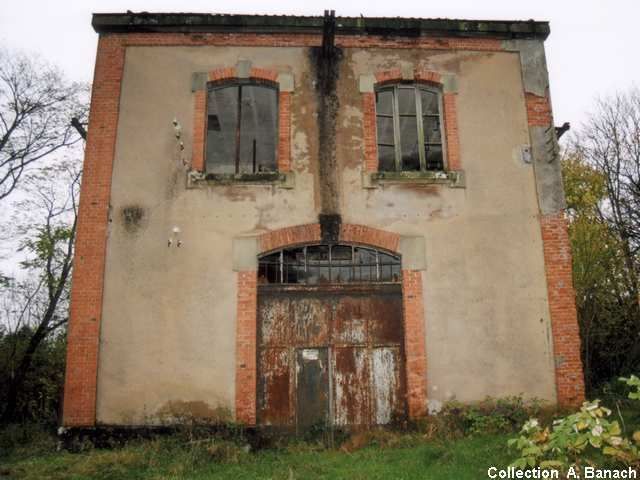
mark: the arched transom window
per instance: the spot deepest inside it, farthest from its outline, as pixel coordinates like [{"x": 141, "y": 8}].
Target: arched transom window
[{"x": 324, "y": 264}]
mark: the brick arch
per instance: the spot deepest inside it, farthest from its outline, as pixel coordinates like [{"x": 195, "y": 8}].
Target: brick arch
[
  {"x": 309, "y": 233},
  {"x": 247, "y": 310},
  {"x": 419, "y": 75},
  {"x": 221, "y": 75}
]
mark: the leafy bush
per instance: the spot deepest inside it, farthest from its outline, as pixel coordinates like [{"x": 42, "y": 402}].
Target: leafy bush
[
  {"x": 580, "y": 437},
  {"x": 576, "y": 437}
]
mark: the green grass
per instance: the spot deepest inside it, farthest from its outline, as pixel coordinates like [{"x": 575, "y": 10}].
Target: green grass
[{"x": 411, "y": 457}]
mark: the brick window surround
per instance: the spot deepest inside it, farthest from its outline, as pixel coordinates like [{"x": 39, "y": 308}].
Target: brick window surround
[
  {"x": 449, "y": 115},
  {"x": 200, "y": 117},
  {"x": 413, "y": 316}
]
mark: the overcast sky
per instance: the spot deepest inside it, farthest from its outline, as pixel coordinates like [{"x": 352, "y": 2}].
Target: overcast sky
[{"x": 592, "y": 49}]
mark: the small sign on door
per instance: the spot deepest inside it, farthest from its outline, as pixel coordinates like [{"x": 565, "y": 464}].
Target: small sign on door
[{"x": 310, "y": 354}]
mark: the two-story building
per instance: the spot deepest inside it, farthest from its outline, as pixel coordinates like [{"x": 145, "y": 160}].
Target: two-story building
[{"x": 294, "y": 220}]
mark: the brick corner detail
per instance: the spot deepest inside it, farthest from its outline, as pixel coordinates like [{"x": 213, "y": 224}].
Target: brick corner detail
[{"x": 562, "y": 308}]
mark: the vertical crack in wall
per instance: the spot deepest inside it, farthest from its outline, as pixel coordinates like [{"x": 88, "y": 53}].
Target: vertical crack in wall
[{"x": 326, "y": 60}]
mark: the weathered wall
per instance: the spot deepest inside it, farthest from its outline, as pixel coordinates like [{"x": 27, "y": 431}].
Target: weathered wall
[{"x": 168, "y": 324}]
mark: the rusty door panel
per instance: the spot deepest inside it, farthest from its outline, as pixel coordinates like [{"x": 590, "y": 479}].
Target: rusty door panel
[
  {"x": 309, "y": 321},
  {"x": 275, "y": 320},
  {"x": 330, "y": 354},
  {"x": 274, "y": 406},
  {"x": 350, "y": 320},
  {"x": 352, "y": 405},
  {"x": 312, "y": 388},
  {"x": 385, "y": 324},
  {"x": 385, "y": 381}
]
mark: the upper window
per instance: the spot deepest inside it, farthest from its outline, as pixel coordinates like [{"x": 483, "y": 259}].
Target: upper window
[
  {"x": 409, "y": 124},
  {"x": 242, "y": 128}
]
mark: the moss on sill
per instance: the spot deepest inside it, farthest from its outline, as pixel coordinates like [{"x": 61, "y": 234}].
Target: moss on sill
[
  {"x": 281, "y": 179},
  {"x": 452, "y": 178}
]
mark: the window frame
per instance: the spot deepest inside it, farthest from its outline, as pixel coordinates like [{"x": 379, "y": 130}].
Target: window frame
[
  {"x": 417, "y": 87},
  {"x": 376, "y": 273},
  {"x": 240, "y": 82}
]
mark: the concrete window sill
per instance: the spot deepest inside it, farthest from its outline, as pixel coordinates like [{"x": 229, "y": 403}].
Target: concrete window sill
[
  {"x": 280, "y": 179},
  {"x": 451, "y": 178}
]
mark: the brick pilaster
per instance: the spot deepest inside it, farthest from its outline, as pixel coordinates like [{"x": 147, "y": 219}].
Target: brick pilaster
[
  {"x": 246, "y": 338},
  {"x": 414, "y": 343},
  {"x": 562, "y": 307},
  {"x": 91, "y": 241}
]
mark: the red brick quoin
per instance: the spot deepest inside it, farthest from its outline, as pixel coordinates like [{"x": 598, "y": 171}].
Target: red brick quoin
[
  {"x": 200, "y": 116},
  {"x": 560, "y": 292},
  {"x": 449, "y": 114},
  {"x": 91, "y": 241},
  {"x": 562, "y": 307},
  {"x": 415, "y": 349}
]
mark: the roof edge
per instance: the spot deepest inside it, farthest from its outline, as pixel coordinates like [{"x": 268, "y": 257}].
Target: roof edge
[{"x": 131, "y": 22}]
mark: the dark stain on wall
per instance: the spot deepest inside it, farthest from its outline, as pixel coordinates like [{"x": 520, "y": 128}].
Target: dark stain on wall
[
  {"x": 133, "y": 217},
  {"x": 325, "y": 61}
]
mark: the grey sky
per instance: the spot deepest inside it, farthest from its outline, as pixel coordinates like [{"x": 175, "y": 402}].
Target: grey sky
[{"x": 592, "y": 49}]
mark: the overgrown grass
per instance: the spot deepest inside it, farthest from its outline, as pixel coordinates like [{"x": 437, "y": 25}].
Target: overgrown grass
[
  {"x": 462, "y": 442},
  {"x": 399, "y": 456}
]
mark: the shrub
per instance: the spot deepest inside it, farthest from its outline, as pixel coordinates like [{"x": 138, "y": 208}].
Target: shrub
[{"x": 579, "y": 437}]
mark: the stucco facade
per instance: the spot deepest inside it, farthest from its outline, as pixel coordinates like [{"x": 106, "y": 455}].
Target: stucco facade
[{"x": 175, "y": 245}]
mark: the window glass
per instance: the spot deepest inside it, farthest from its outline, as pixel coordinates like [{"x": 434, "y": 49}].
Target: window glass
[
  {"x": 429, "y": 102},
  {"x": 409, "y": 143},
  {"x": 269, "y": 269},
  {"x": 221, "y": 129},
  {"x": 366, "y": 265},
  {"x": 406, "y": 101},
  {"x": 386, "y": 158},
  {"x": 341, "y": 264},
  {"x": 409, "y": 128},
  {"x": 434, "y": 157},
  {"x": 293, "y": 265},
  {"x": 385, "y": 130},
  {"x": 318, "y": 264},
  {"x": 432, "y": 129},
  {"x": 258, "y": 129},
  {"x": 242, "y": 129},
  {"x": 384, "y": 102}
]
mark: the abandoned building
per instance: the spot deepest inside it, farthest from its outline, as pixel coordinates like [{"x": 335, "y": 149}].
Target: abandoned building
[{"x": 291, "y": 220}]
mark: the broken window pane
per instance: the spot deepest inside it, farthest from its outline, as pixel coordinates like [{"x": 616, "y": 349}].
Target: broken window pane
[
  {"x": 432, "y": 129},
  {"x": 293, "y": 265},
  {"x": 366, "y": 265},
  {"x": 434, "y": 157},
  {"x": 318, "y": 264},
  {"x": 389, "y": 268},
  {"x": 269, "y": 269},
  {"x": 341, "y": 264}
]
